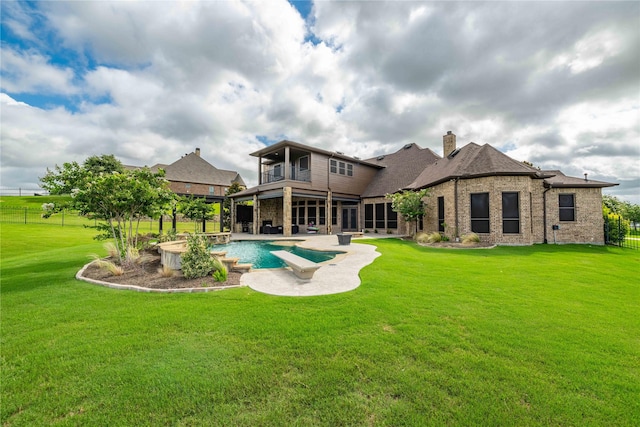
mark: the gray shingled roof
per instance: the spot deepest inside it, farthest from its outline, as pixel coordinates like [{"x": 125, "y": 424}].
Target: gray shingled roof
[
  {"x": 194, "y": 169},
  {"x": 559, "y": 180},
  {"x": 470, "y": 161},
  {"x": 400, "y": 169}
]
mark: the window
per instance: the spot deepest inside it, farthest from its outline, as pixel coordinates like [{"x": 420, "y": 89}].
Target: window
[
  {"x": 340, "y": 168},
  {"x": 510, "y": 213},
  {"x": 380, "y": 215},
  {"x": 392, "y": 217},
  {"x": 480, "y": 212},
  {"x": 304, "y": 163},
  {"x": 441, "y": 214},
  {"x": 294, "y": 215},
  {"x": 277, "y": 171},
  {"x": 567, "y": 205},
  {"x": 187, "y": 186},
  {"x": 334, "y": 213},
  {"x": 322, "y": 220},
  {"x": 212, "y": 190},
  {"x": 301, "y": 215},
  {"x": 368, "y": 216},
  {"x": 311, "y": 212}
]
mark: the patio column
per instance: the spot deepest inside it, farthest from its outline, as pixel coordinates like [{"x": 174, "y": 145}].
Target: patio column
[
  {"x": 256, "y": 214},
  {"x": 232, "y": 215},
  {"x": 287, "y": 167},
  {"x": 329, "y": 211},
  {"x": 286, "y": 212}
]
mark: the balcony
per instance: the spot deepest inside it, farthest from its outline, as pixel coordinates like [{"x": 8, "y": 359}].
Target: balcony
[{"x": 275, "y": 175}]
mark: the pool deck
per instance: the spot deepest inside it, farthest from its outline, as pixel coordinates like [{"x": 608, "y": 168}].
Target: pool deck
[{"x": 338, "y": 275}]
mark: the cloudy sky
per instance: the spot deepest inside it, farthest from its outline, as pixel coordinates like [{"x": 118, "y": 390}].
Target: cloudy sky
[{"x": 553, "y": 83}]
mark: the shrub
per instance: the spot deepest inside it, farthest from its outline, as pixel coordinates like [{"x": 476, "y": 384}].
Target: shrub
[
  {"x": 196, "y": 261},
  {"x": 166, "y": 271},
  {"x": 616, "y": 227},
  {"x": 434, "y": 237},
  {"x": 470, "y": 238},
  {"x": 220, "y": 272},
  {"x": 111, "y": 267},
  {"x": 422, "y": 238}
]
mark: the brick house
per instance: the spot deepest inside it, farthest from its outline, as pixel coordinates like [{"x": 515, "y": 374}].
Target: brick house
[
  {"x": 472, "y": 188},
  {"x": 192, "y": 175}
]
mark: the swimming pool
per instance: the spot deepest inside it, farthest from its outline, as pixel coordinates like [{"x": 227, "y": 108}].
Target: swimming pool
[{"x": 258, "y": 253}]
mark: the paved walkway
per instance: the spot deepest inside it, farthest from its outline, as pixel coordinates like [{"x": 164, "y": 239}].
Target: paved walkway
[{"x": 335, "y": 276}]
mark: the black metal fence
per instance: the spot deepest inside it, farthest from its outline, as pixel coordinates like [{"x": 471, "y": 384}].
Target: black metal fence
[
  {"x": 69, "y": 218},
  {"x": 617, "y": 232}
]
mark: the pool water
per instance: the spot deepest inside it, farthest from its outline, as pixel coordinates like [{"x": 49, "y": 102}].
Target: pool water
[{"x": 258, "y": 253}]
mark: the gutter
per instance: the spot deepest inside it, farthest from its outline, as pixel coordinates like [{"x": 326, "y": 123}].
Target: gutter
[{"x": 544, "y": 212}]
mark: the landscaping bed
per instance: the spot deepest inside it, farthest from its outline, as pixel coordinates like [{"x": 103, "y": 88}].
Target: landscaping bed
[{"x": 147, "y": 275}]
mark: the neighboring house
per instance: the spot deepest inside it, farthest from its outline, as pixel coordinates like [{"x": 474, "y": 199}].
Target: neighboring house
[
  {"x": 472, "y": 188},
  {"x": 192, "y": 175}
]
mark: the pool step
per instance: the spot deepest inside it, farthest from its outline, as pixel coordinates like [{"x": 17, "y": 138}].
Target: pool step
[
  {"x": 232, "y": 265},
  {"x": 218, "y": 254}
]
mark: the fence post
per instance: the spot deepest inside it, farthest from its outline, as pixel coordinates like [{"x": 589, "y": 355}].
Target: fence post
[
  {"x": 25, "y": 215},
  {"x": 63, "y": 217}
]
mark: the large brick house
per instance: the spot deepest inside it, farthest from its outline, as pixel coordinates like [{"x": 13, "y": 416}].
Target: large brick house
[
  {"x": 472, "y": 188},
  {"x": 193, "y": 175}
]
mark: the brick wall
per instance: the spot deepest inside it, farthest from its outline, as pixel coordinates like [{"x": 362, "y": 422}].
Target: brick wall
[{"x": 196, "y": 189}]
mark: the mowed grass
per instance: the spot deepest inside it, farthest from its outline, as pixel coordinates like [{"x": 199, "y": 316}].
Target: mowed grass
[{"x": 542, "y": 335}]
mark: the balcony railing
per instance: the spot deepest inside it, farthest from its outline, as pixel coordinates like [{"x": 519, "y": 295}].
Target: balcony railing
[{"x": 277, "y": 175}]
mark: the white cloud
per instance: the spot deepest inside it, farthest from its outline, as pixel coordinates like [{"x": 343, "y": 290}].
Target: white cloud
[
  {"x": 551, "y": 83},
  {"x": 32, "y": 72}
]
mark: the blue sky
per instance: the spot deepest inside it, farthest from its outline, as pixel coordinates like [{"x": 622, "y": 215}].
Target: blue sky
[{"x": 555, "y": 84}]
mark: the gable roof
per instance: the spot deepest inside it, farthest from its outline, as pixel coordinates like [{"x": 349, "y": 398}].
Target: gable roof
[
  {"x": 194, "y": 169},
  {"x": 400, "y": 169},
  {"x": 472, "y": 161},
  {"x": 560, "y": 180}
]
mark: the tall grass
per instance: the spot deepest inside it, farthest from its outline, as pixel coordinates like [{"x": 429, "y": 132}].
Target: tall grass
[{"x": 543, "y": 335}]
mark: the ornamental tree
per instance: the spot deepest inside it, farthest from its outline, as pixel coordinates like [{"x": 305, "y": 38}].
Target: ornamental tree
[
  {"x": 122, "y": 199},
  {"x": 195, "y": 208},
  {"x": 409, "y": 204},
  {"x": 72, "y": 175}
]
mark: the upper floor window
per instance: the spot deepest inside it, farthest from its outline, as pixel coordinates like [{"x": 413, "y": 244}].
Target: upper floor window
[
  {"x": 567, "y": 207},
  {"x": 304, "y": 163},
  {"x": 212, "y": 190},
  {"x": 340, "y": 167},
  {"x": 277, "y": 171},
  {"x": 187, "y": 187}
]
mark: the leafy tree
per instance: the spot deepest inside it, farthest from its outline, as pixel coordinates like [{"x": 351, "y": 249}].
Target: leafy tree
[
  {"x": 122, "y": 199},
  {"x": 632, "y": 213},
  {"x": 195, "y": 208},
  {"x": 612, "y": 203},
  {"x": 226, "y": 205},
  {"x": 71, "y": 176},
  {"x": 409, "y": 204}
]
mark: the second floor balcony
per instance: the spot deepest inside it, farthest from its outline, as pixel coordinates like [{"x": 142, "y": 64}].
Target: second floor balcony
[{"x": 277, "y": 174}]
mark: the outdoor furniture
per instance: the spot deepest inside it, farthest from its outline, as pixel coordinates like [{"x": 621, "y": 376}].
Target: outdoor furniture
[
  {"x": 301, "y": 267},
  {"x": 311, "y": 228}
]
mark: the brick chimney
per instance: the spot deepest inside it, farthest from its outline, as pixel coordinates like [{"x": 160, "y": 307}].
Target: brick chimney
[
  {"x": 448, "y": 143},
  {"x": 198, "y": 150}
]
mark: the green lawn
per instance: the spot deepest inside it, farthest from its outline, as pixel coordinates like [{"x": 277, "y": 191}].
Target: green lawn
[{"x": 542, "y": 335}]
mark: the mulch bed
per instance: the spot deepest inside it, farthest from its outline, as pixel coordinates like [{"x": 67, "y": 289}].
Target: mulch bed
[{"x": 147, "y": 275}]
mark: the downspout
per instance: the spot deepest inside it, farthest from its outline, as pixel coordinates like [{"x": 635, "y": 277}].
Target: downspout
[
  {"x": 455, "y": 192},
  {"x": 544, "y": 212}
]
